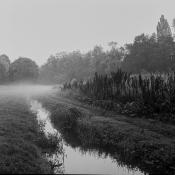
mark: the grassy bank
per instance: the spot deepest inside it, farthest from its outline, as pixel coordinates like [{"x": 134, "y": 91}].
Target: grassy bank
[
  {"x": 22, "y": 144},
  {"x": 143, "y": 143}
]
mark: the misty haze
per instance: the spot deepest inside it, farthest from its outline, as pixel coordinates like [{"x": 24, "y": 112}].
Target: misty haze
[{"x": 87, "y": 87}]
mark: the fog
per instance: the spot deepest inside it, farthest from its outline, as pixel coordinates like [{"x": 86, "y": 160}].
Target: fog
[
  {"x": 82, "y": 24},
  {"x": 25, "y": 90}
]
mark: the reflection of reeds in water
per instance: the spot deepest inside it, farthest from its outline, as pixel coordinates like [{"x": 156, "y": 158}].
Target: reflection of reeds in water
[
  {"x": 55, "y": 153},
  {"x": 56, "y": 158},
  {"x": 98, "y": 153}
]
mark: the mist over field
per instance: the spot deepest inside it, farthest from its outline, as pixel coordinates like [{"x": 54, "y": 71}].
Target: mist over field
[
  {"x": 87, "y": 87},
  {"x": 25, "y": 90}
]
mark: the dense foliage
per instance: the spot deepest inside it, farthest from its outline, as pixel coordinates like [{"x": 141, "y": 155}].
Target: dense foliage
[
  {"x": 148, "y": 53},
  {"x": 4, "y": 68},
  {"x": 66, "y": 66},
  {"x": 23, "y": 69},
  {"x": 163, "y": 28},
  {"x": 147, "y": 95}
]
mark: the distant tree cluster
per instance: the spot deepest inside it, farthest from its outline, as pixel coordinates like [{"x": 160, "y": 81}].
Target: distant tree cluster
[
  {"x": 66, "y": 66},
  {"x": 4, "y": 68},
  {"x": 153, "y": 53},
  {"x": 22, "y": 69},
  {"x": 163, "y": 28},
  {"x": 148, "y": 53}
]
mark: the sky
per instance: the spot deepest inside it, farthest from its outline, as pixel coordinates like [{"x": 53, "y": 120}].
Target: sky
[{"x": 38, "y": 28}]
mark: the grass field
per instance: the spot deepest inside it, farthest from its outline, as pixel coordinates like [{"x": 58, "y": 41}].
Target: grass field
[{"x": 22, "y": 144}]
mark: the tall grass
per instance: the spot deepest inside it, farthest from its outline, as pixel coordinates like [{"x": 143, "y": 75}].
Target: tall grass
[{"x": 153, "y": 93}]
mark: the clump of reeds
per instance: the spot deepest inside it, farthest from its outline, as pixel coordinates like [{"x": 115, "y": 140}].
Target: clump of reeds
[{"x": 154, "y": 93}]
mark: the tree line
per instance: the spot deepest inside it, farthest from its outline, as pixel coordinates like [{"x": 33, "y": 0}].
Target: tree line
[
  {"x": 147, "y": 54},
  {"x": 22, "y": 69}
]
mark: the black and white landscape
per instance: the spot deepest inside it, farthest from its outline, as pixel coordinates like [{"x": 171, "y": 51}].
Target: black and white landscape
[{"x": 87, "y": 87}]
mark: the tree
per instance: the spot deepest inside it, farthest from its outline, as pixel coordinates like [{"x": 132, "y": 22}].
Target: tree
[
  {"x": 174, "y": 27},
  {"x": 114, "y": 57},
  {"x": 112, "y": 44},
  {"x": 98, "y": 60},
  {"x": 2, "y": 74},
  {"x": 151, "y": 53},
  {"x": 4, "y": 68},
  {"x": 139, "y": 54},
  {"x": 23, "y": 69},
  {"x": 64, "y": 67},
  {"x": 163, "y": 28}
]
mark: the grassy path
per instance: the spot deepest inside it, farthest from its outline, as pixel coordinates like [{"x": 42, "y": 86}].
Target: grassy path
[{"x": 165, "y": 130}]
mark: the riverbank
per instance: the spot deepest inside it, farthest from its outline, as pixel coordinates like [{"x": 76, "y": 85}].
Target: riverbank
[
  {"x": 146, "y": 144},
  {"x": 22, "y": 144},
  {"x": 134, "y": 108}
]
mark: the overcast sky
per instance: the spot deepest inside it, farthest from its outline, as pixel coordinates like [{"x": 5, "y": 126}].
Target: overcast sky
[{"x": 39, "y": 28}]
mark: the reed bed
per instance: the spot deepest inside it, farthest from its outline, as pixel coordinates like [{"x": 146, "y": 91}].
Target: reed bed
[{"x": 149, "y": 95}]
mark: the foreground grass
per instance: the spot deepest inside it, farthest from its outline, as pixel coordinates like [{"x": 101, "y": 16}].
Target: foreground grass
[
  {"x": 146, "y": 144},
  {"x": 22, "y": 144}
]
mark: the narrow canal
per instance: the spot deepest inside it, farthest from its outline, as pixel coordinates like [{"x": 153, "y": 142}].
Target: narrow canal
[{"x": 76, "y": 160}]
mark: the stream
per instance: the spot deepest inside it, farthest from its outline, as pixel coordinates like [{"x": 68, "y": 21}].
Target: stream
[{"x": 74, "y": 160}]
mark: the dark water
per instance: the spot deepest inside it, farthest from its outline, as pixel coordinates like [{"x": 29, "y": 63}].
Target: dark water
[{"x": 77, "y": 160}]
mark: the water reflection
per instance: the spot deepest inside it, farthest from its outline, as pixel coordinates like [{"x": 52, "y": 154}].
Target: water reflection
[
  {"x": 76, "y": 160},
  {"x": 43, "y": 118},
  {"x": 91, "y": 162},
  {"x": 55, "y": 158}
]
